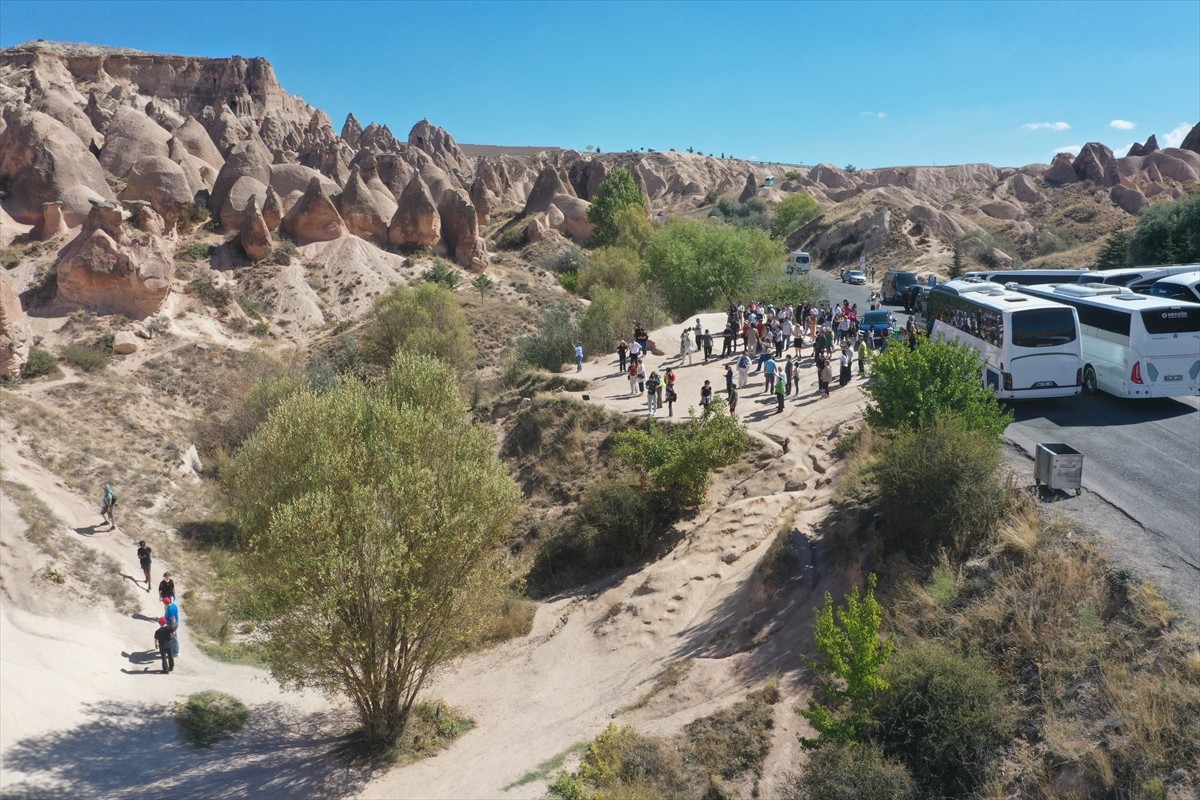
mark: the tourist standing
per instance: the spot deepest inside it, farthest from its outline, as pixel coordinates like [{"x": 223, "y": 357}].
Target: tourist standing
[
  {"x": 162, "y": 639},
  {"x": 844, "y": 362},
  {"x": 743, "y": 367},
  {"x": 780, "y": 392},
  {"x": 622, "y": 349},
  {"x": 579, "y": 357},
  {"x": 632, "y": 373},
  {"x": 706, "y": 395},
  {"x": 652, "y": 388}
]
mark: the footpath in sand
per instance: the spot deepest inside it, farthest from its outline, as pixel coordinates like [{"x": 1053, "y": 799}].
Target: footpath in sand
[{"x": 594, "y": 652}]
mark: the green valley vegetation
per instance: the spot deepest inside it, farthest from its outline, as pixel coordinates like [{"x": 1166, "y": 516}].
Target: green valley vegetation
[
  {"x": 617, "y": 192},
  {"x": 426, "y": 319},
  {"x": 371, "y": 520},
  {"x": 1165, "y": 233},
  {"x": 793, "y": 212}
]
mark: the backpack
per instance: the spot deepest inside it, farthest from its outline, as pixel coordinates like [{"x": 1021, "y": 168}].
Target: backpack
[{"x": 110, "y": 498}]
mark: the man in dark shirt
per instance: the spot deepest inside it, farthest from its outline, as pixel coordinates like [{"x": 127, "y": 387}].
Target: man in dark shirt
[
  {"x": 166, "y": 587},
  {"x": 162, "y": 638},
  {"x": 144, "y": 560}
]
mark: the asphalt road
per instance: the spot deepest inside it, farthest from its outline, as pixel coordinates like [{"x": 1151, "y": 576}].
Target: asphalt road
[{"x": 1141, "y": 457}]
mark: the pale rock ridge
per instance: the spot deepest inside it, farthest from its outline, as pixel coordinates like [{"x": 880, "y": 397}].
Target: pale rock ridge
[
  {"x": 113, "y": 270},
  {"x": 272, "y": 210},
  {"x": 441, "y": 147},
  {"x": 238, "y": 199},
  {"x": 313, "y": 218},
  {"x": 362, "y": 212},
  {"x": 548, "y": 185},
  {"x": 131, "y": 136},
  {"x": 290, "y": 182},
  {"x": 16, "y": 334},
  {"x": 249, "y": 158}
]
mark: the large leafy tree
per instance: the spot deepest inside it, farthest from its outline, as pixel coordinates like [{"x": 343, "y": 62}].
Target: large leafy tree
[
  {"x": 792, "y": 212},
  {"x": 424, "y": 319},
  {"x": 1167, "y": 233},
  {"x": 699, "y": 264},
  {"x": 617, "y": 192},
  {"x": 371, "y": 520}
]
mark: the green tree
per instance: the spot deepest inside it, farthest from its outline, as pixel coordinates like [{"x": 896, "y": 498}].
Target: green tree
[
  {"x": 616, "y": 192},
  {"x": 1167, "y": 233},
  {"x": 851, "y": 674},
  {"x": 792, "y": 212},
  {"x": 678, "y": 460},
  {"x": 371, "y": 523},
  {"x": 442, "y": 273},
  {"x": 909, "y": 388},
  {"x": 699, "y": 264},
  {"x": 634, "y": 229},
  {"x": 1115, "y": 252},
  {"x": 956, "y": 263},
  {"x": 424, "y": 319},
  {"x": 613, "y": 267},
  {"x": 552, "y": 344},
  {"x": 483, "y": 284},
  {"x": 794, "y": 289},
  {"x": 612, "y": 314}
]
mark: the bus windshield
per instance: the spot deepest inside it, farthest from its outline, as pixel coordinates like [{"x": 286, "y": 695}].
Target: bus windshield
[
  {"x": 1044, "y": 327},
  {"x": 1178, "y": 319}
]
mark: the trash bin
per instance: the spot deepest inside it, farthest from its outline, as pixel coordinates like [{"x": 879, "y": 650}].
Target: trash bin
[{"x": 1059, "y": 467}]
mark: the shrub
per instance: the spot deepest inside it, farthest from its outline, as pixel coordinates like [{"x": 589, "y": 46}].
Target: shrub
[
  {"x": 441, "y": 273},
  {"x": 513, "y": 237},
  {"x": 792, "y": 212},
  {"x": 206, "y": 718},
  {"x": 569, "y": 281},
  {"x": 1167, "y": 233},
  {"x": 423, "y": 319},
  {"x": 945, "y": 716},
  {"x": 939, "y": 486},
  {"x": 40, "y": 362},
  {"x": 571, "y": 258},
  {"x": 797, "y": 290},
  {"x": 750, "y": 214},
  {"x": 156, "y": 326},
  {"x": 209, "y": 293},
  {"x": 1115, "y": 252},
  {"x": 87, "y": 357},
  {"x": 912, "y": 387},
  {"x": 735, "y": 740},
  {"x": 678, "y": 460},
  {"x": 612, "y": 314},
  {"x": 852, "y": 772},
  {"x": 553, "y": 343},
  {"x": 610, "y": 268},
  {"x": 616, "y": 192},
  {"x": 197, "y": 251}
]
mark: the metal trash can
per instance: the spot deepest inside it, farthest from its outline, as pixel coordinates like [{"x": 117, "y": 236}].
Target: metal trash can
[{"x": 1059, "y": 467}]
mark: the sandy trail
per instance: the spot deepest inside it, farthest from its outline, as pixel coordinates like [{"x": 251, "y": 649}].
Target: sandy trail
[{"x": 595, "y": 652}]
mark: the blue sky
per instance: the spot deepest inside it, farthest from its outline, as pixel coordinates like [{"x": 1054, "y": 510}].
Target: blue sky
[{"x": 873, "y": 84}]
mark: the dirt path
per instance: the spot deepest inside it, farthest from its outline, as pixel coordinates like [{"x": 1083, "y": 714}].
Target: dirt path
[{"x": 593, "y": 653}]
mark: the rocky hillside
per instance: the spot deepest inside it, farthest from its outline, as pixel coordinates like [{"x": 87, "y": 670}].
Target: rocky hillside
[{"x": 112, "y": 155}]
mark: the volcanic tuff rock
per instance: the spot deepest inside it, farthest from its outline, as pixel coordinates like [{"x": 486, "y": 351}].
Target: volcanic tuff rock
[
  {"x": 1192, "y": 140},
  {"x": 362, "y": 212},
  {"x": 1062, "y": 170},
  {"x": 113, "y": 270},
  {"x": 40, "y": 160},
  {"x": 351, "y": 130},
  {"x": 131, "y": 136},
  {"x": 248, "y": 159},
  {"x": 1095, "y": 162},
  {"x": 239, "y": 199},
  {"x": 161, "y": 182},
  {"x": 313, "y": 218},
  {"x": 441, "y": 147},
  {"x": 548, "y": 185},
  {"x": 460, "y": 226},
  {"x": 416, "y": 221},
  {"x": 195, "y": 139},
  {"x": 253, "y": 233},
  {"x": 15, "y": 332}
]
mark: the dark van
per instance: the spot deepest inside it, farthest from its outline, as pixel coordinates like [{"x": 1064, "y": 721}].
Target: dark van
[{"x": 895, "y": 282}]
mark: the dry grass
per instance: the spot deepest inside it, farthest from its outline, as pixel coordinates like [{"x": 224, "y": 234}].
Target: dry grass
[{"x": 671, "y": 676}]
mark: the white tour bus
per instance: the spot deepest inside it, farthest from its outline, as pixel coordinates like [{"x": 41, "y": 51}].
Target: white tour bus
[
  {"x": 1134, "y": 345},
  {"x": 798, "y": 263},
  {"x": 1137, "y": 279},
  {"x": 1184, "y": 286},
  {"x": 1029, "y": 347},
  {"x": 1027, "y": 276}
]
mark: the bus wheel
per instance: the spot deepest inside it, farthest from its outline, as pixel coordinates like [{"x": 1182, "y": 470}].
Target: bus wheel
[{"x": 1089, "y": 380}]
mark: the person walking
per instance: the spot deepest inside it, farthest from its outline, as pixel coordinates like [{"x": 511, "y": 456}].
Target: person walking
[
  {"x": 685, "y": 346},
  {"x": 780, "y": 393},
  {"x": 635, "y": 351},
  {"x": 708, "y": 345},
  {"x": 706, "y": 395},
  {"x": 143, "y": 554},
  {"x": 171, "y": 612},
  {"x": 162, "y": 640},
  {"x": 733, "y": 398},
  {"x": 166, "y": 587},
  {"x": 769, "y": 372},
  {"x": 652, "y": 389},
  {"x": 622, "y": 349},
  {"x": 728, "y": 379},
  {"x": 631, "y": 373},
  {"x": 641, "y": 377},
  {"x": 579, "y": 357},
  {"x": 743, "y": 367},
  {"x": 671, "y": 398},
  {"x": 844, "y": 362},
  {"x": 108, "y": 507}
]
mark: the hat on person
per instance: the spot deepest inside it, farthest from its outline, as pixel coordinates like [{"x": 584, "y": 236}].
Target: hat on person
[
  {"x": 162, "y": 620},
  {"x": 166, "y": 599}
]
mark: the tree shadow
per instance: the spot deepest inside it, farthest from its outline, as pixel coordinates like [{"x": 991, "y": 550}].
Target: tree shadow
[{"x": 126, "y": 749}]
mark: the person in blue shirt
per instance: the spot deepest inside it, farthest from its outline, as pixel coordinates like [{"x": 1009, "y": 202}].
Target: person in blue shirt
[
  {"x": 769, "y": 372},
  {"x": 171, "y": 612},
  {"x": 579, "y": 357}
]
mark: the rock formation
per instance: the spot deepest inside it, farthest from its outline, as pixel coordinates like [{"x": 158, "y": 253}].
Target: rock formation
[
  {"x": 1095, "y": 162},
  {"x": 162, "y": 183},
  {"x": 248, "y": 159},
  {"x": 440, "y": 146},
  {"x": 362, "y": 212},
  {"x": 1191, "y": 142},
  {"x": 1062, "y": 170},
  {"x": 16, "y": 336},
  {"x": 750, "y": 190},
  {"x": 272, "y": 210},
  {"x": 1129, "y": 200},
  {"x": 237, "y": 199},
  {"x": 416, "y": 222},
  {"x": 113, "y": 270},
  {"x": 253, "y": 233},
  {"x": 548, "y": 184},
  {"x": 195, "y": 139},
  {"x": 351, "y": 130},
  {"x": 53, "y": 223},
  {"x": 460, "y": 226},
  {"x": 131, "y": 137},
  {"x": 41, "y": 160},
  {"x": 313, "y": 218}
]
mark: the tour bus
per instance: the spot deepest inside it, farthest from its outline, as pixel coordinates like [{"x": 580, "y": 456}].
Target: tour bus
[
  {"x": 798, "y": 263},
  {"x": 1134, "y": 345},
  {"x": 1029, "y": 347},
  {"x": 1027, "y": 276},
  {"x": 1184, "y": 286},
  {"x": 1137, "y": 279}
]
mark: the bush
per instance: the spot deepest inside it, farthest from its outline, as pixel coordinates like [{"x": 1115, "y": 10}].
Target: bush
[
  {"x": 193, "y": 216},
  {"x": 912, "y": 387},
  {"x": 939, "y": 486},
  {"x": 553, "y": 343},
  {"x": 569, "y": 281},
  {"x": 735, "y": 740},
  {"x": 797, "y": 290},
  {"x": 424, "y": 319},
  {"x": 87, "y": 357},
  {"x": 792, "y": 212},
  {"x": 40, "y": 362},
  {"x": 197, "y": 251},
  {"x": 945, "y": 717},
  {"x": 612, "y": 314},
  {"x": 610, "y": 268},
  {"x": 209, "y": 293},
  {"x": 441, "y": 273},
  {"x": 616, "y": 192},
  {"x": 678, "y": 460},
  {"x": 571, "y": 258},
  {"x": 1167, "y": 233},
  {"x": 206, "y": 718},
  {"x": 852, "y": 772},
  {"x": 750, "y": 214},
  {"x": 513, "y": 238}
]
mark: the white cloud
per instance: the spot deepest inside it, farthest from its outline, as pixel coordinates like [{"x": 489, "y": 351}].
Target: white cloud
[
  {"x": 1073, "y": 149},
  {"x": 876, "y": 114},
  {"x": 1121, "y": 152},
  {"x": 1045, "y": 126},
  {"x": 881, "y": 114},
  {"x": 1175, "y": 138},
  {"x": 1122, "y": 124}
]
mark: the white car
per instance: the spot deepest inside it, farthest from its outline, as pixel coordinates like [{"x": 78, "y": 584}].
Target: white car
[{"x": 856, "y": 277}]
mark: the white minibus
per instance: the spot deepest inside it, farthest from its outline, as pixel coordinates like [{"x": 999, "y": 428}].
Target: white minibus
[
  {"x": 1029, "y": 347},
  {"x": 1134, "y": 345},
  {"x": 798, "y": 263},
  {"x": 1184, "y": 286}
]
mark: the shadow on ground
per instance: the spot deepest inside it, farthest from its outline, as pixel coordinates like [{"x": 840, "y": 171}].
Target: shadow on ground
[{"x": 135, "y": 749}]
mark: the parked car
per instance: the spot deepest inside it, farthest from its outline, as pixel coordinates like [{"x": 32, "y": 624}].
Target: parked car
[
  {"x": 877, "y": 320},
  {"x": 895, "y": 281},
  {"x": 855, "y": 277}
]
